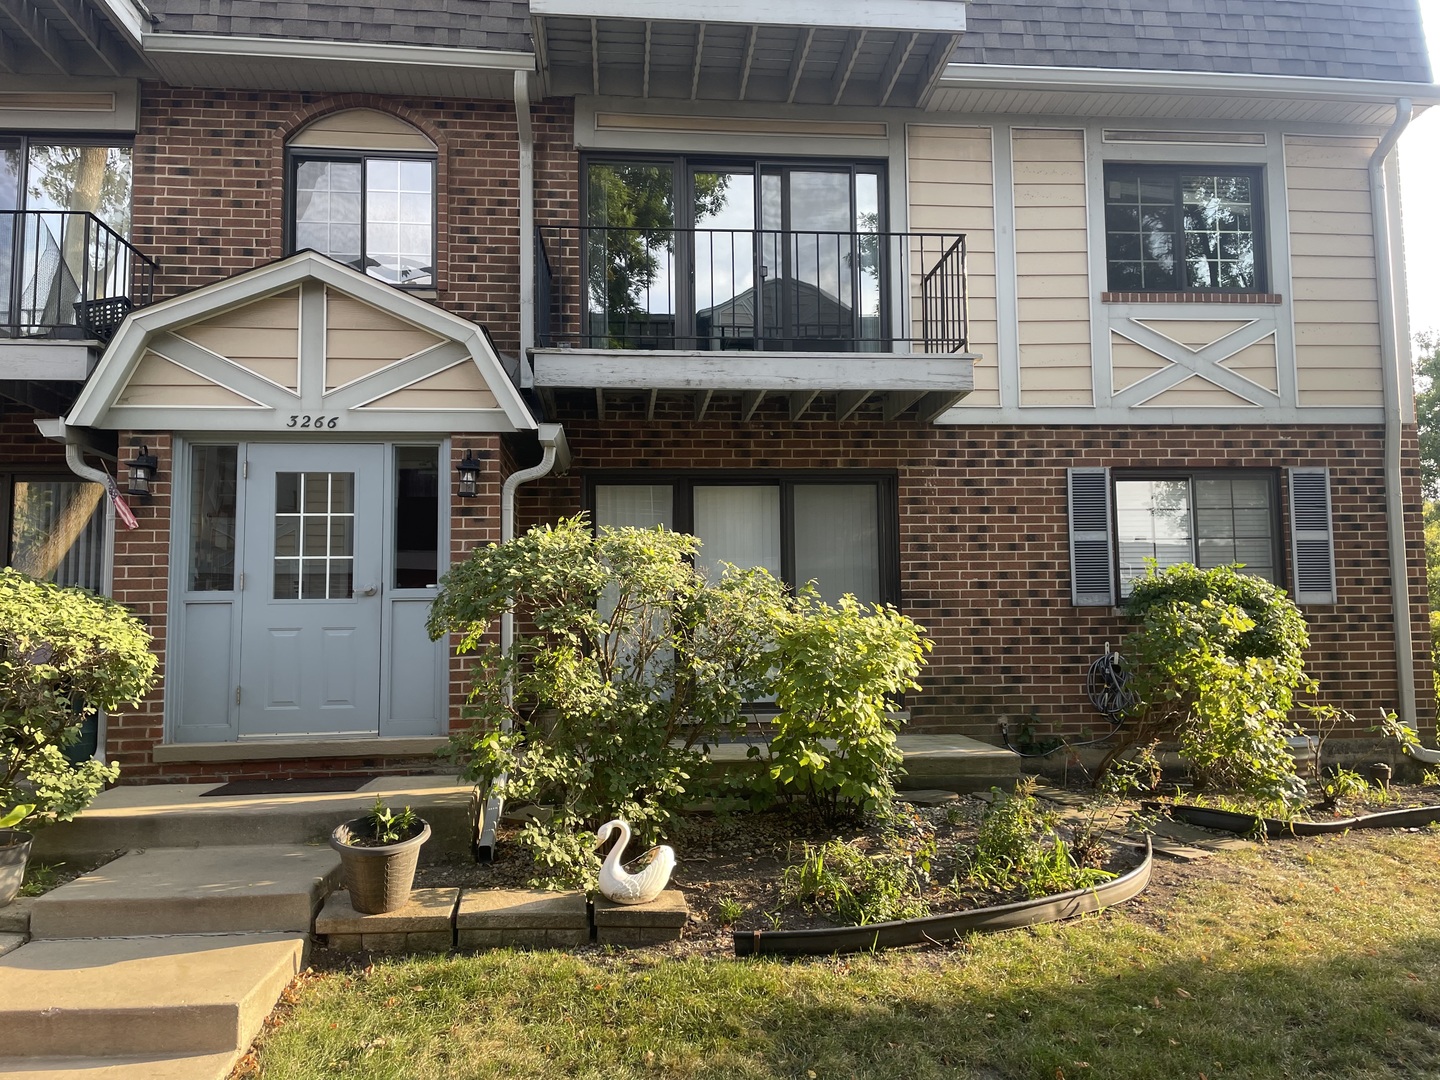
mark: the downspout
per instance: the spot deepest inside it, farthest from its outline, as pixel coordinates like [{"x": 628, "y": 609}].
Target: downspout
[
  {"x": 526, "y": 183},
  {"x": 1390, "y": 358},
  {"x": 75, "y": 458},
  {"x": 553, "y": 447}
]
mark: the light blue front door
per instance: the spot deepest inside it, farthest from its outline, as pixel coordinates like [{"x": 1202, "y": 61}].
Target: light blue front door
[{"x": 312, "y": 606}]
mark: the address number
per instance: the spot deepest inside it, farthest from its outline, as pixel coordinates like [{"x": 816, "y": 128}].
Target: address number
[{"x": 314, "y": 423}]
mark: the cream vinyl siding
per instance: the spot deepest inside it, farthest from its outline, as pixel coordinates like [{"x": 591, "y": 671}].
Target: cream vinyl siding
[
  {"x": 458, "y": 387},
  {"x": 1257, "y": 363},
  {"x": 361, "y": 339},
  {"x": 1337, "y": 315},
  {"x": 362, "y": 129},
  {"x": 1052, "y": 267},
  {"x": 159, "y": 381},
  {"x": 1130, "y": 362},
  {"x": 263, "y": 337},
  {"x": 1197, "y": 393},
  {"x": 952, "y": 191}
]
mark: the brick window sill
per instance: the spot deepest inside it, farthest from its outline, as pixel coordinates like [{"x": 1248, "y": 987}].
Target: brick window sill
[{"x": 1189, "y": 298}]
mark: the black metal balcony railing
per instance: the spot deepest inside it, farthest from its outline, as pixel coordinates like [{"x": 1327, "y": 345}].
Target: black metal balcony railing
[
  {"x": 68, "y": 275},
  {"x": 754, "y": 289}
]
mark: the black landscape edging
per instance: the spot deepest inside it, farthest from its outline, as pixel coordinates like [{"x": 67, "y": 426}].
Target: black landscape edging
[
  {"x": 1250, "y": 824},
  {"x": 936, "y": 928}
]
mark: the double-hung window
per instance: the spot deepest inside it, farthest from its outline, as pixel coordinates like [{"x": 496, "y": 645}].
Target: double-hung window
[
  {"x": 1184, "y": 228},
  {"x": 362, "y": 191},
  {"x": 837, "y": 529},
  {"x": 1207, "y": 519}
]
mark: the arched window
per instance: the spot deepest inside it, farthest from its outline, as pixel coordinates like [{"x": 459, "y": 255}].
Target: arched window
[{"x": 362, "y": 191}]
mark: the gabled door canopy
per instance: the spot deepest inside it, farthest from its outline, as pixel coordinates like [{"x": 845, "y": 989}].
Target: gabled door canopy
[{"x": 300, "y": 346}]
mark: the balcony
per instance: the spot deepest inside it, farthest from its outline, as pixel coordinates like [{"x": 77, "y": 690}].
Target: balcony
[
  {"x": 69, "y": 280},
  {"x": 756, "y": 312}
]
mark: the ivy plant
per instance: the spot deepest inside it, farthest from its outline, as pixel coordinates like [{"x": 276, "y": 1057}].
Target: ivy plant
[
  {"x": 1218, "y": 661},
  {"x": 64, "y": 653}
]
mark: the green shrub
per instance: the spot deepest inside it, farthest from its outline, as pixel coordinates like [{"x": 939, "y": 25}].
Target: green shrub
[
  {"x": 64, "y": 654},
  {"x": 838, "y": 675},
  {"x": 1017, "y": 847},
  {"x": 855, "y": 888},
  {"x": 627, "y": 663},
  {"x": 1218, "y": 659}
]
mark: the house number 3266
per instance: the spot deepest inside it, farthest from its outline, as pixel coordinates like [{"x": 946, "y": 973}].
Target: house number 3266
[{"x": 313, "y": 422}]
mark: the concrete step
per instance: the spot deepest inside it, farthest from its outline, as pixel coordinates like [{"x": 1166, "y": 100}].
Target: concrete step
[
  {"x": 950, "y": 762},
  {"x": 179, "y": 1067},
  {"x": 157, "y": 996},
  {"x": 176, "y": 815},
  {"x": 228, "y": 890}
]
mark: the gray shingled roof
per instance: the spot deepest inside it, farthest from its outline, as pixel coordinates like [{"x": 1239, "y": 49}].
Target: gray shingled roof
[
  {"x": 1357, "y": 39},
  {"x": 468, "y": 24}
]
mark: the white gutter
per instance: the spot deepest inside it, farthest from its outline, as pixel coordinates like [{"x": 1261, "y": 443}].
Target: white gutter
[
  {"x": 526, "y": 134},
  {"x": 554, "y": 450},
  {"x": 1390, "y": 359},
  {"x": 362, "y": 52},
  {"x": 1024, "y": 77}
]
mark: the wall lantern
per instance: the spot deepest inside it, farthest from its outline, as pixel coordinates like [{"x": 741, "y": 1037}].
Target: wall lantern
[
  {"x": 469, "y": 470},
  {"x": 142, "y": 471}
]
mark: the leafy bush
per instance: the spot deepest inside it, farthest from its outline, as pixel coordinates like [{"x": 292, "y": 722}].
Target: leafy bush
[
  {"x": 1218, "y": 659},
  {"x": 1017, "y": 847},
  {"x": 626, "y": 664},
  {"x": 838, "y": 674},
  {"x": 64, "y": 654},
  {"x": 856, "y": 888}
]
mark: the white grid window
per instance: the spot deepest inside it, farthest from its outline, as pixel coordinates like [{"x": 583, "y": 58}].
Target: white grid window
[{"x": 314, "y": 536}]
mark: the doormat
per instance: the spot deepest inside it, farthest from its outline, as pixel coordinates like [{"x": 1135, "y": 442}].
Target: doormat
[{"x": 288, "y": 787}]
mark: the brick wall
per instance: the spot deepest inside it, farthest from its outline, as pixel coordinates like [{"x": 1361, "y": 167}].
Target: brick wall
[
  {"x": 984, "y": 556},
  {"x": 209, "y": 195},
  {"x": 21, "y": 446}
]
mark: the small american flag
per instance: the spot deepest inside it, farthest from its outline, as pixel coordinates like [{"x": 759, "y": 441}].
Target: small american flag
[{"x": 122, "y": 508}]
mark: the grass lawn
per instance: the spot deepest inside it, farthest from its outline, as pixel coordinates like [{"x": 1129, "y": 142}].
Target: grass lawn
[{"x": 1306, "y": 959}]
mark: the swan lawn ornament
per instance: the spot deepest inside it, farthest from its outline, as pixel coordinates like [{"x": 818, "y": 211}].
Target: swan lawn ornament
[{"x": 643, "y": 879}]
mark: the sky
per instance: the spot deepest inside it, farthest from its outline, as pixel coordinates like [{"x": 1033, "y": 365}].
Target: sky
[{"x": 1419, "y": 171}]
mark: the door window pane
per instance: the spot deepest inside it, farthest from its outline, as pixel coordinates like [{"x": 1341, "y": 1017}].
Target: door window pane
[
  {"x": 323, "y": 527},
  {"x": 212, "y": 519},
  {"x": 57, "y": 531},
  {"x": 724, "y": 206},
  {"x": 837, "y": 540},
  {"x": 738, "y": 524},
  {"x": 417, "y": 517}
]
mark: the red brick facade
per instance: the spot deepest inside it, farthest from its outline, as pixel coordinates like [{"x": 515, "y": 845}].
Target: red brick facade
[
  {"x": 209, "y": 189},
  {"x": 984, "y": 551}
]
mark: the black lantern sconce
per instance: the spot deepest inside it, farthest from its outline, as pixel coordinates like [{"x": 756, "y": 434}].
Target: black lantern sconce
[
  {"x": 142, "y": 471},
  {"x": 469, "y": 470}
]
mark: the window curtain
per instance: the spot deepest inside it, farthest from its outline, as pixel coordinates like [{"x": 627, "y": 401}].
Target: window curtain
[
  {"x": 837, "y": 540},
  {"x": 738, "y": 524}
]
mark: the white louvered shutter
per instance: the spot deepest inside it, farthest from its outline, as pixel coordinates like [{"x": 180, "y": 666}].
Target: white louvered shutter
[
  {"x": 1092, "y": 566},
  {"x": 1312, "y": 543}
]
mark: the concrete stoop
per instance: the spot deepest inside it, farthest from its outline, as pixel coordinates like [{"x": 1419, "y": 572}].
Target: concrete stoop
[
  {"x": 165, "y": 1067},
  {"x": 117, "y": 998},
  {"x": 241, "y": 889}
]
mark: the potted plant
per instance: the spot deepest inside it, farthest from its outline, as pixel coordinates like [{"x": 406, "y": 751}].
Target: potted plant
[
  {"x": 378, "y": 854},
  {"x": 64, "y": 654}
]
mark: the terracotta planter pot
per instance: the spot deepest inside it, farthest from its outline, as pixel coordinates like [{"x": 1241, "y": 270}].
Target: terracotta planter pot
[
  {"x": 14, "y": 855},
  {"x": 377, "y": 878}
]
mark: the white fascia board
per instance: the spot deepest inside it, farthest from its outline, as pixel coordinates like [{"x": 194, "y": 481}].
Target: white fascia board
[
  {"x": 926, "y": 16},
  {"x": 995, "y": 76},
  {"x": 348, "y": 51},
  {"x": 128, "y": 17}
]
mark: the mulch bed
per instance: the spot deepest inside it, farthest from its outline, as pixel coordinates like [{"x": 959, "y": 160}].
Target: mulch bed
[{"x": 740, "y": 859}]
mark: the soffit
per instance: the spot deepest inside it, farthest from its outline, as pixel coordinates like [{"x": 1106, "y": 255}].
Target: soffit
[
  {"x": 65, "y": 38},
  {"x": 860, "y": 54}
]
